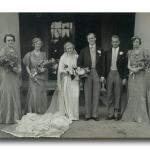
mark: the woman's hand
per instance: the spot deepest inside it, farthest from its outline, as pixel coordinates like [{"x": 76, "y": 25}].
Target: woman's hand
[
  {"x": 124, "y": 82},
  {"x": 135, "y": 70},
  {"x": 50, "y": 61},
  {"x": 31, "y": 75},
  {"x": 41, "y": 69},
  {"x": 17, "y": 70},
  {"x": 45, "y": 62},
  {"x": 53, "y": 60}
]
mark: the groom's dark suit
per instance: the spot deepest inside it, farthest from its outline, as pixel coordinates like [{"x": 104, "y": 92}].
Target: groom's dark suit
[{"x": 92, "y": 81}]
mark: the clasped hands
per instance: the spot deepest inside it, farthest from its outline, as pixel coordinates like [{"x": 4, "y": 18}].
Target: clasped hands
[{"x": 102, "y": 79}]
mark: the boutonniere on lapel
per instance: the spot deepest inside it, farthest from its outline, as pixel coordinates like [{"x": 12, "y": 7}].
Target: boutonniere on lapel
[
  {"x": 99, "y": 52},
  {"x": 121, "y": 53}
]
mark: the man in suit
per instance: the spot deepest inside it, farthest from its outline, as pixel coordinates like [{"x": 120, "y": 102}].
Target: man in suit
[
  {"x": 92, "y": 57},
  {"x": 116, "y": 73}
]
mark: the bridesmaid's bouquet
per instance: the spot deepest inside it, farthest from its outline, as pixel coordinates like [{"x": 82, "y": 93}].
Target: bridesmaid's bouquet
[
  {"x": 9, "y": 60},
  {"x": 140, "y": 67},
  {"x": 43, "y": 66},
  {"x": 147, "y": 58}
]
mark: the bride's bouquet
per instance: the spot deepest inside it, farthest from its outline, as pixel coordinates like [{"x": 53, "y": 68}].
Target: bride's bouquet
[
  {"x": 9, "y": 61},
  {"x": 71, "y": 70},
  {"x": 76, "y": 71},
  {"x": 83, "y": 72}
]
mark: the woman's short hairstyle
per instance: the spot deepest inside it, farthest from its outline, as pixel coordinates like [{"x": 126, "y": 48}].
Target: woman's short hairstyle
[
  {"x": 136, "y": 37},
  {"x": 9, "y": 35},
  {"x": 68, "y": 44},
  {"x": 35, "y": 40}
]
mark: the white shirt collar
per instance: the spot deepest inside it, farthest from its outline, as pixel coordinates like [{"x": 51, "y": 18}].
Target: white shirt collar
[
  {"x": 92, "y": 46},
  {"x": 115, "y": 49}
]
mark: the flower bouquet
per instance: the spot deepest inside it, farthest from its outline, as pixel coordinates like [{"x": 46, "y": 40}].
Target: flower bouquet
[
  {"x": 9, "y": 61},
  {"x": 83, "y": 72},
  {"x": 41, "y": 68},
  {"x": 71, "y": 71},
  {"x": 139, "y": 67},
  {"x": 147, "y": 58}
]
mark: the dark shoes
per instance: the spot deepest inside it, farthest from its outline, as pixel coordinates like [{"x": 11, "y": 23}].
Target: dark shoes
[
  {"x": 116, "y": 117},
  {"x": 86, "y": 119},
  {"x": 94, "y": 118},
  {"x": 110, "y": 117}
]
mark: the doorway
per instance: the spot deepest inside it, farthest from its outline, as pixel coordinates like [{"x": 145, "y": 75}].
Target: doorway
[{"x": 57, "y": 28}]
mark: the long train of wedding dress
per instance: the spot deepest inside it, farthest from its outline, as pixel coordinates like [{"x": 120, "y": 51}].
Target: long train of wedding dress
[
  {"x": 55, "y": 121},
  {"x": 34, "y": 125}
]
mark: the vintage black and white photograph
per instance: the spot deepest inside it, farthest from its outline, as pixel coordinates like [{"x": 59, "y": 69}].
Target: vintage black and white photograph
[{"x": 74, "y": 75}]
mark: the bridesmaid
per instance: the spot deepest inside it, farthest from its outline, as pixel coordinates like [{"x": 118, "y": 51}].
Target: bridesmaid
[
  {"x": 10, "y": 107},
  {"x": 37, "y": 96},
  {"x": 0, "y": 70},
  {"x": 136, "y": 110},
  {"x": 147, "y": 79}
]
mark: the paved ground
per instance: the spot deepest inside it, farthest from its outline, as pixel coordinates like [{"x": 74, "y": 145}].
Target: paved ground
[
  {"x": 102, "y": 128},
  {"x": 107, "y": 129}
]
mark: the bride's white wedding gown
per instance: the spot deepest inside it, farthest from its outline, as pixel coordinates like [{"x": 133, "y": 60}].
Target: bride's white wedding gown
[{"x": 64, "y": 107}]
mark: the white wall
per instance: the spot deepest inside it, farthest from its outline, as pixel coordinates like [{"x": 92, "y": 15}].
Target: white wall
[
  {"x": 142, "y": 28},
  {"x": 9, "y": 23}
]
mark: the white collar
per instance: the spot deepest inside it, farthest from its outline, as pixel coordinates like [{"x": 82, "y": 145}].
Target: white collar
[
  {"x": 92, "y": 46},
  {"x": 116, "y": 49}
]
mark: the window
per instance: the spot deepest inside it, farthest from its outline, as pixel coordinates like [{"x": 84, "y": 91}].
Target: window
[{"x": 60, "y": 32}]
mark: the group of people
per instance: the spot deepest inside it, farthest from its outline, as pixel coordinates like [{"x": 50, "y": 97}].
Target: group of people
[
  {"x": 117, "y": 68},
  {"x": 93, "y": 66}
]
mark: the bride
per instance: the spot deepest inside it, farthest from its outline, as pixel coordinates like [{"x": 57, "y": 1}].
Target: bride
[{"x": 64, "y": 107}]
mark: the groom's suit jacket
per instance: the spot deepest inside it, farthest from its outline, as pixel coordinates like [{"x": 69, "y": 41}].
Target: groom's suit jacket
[
  {"x": 84, "y": 60},
  {"x": 122, "y": 63}
]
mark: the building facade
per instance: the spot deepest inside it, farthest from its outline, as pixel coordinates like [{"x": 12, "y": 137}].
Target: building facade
[{"x": 57, "y": 28}]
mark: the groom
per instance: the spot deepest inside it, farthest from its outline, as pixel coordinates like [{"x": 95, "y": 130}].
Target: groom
[{"x": 91, "y": 57}]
